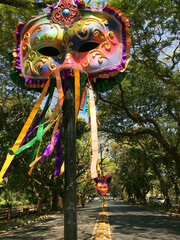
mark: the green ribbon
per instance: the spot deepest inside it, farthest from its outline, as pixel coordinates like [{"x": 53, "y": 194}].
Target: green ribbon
[
  {"x": 82, "y": 85},
  {"x": 40, "y": 131},
  {"x": 39, "y": 136}
]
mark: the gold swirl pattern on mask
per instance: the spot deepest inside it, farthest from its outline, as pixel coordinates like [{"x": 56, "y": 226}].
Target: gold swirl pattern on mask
[
  {"x": 106, "y": 45},
  {"x": 32, "y": 55},
  {"x": 52, "y": 67},
  {"x": 39, "y": 63},
  {"x": 97, "y": 32},
  {"x": 28, "y": 64},
  {"x": 94, "y": 53},
  {"x": 83, "y": 23},
  {"x": 110, "y": 35},
  {"x": 27, "y": 46}
]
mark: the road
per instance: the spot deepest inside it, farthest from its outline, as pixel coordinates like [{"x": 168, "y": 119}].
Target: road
[
  {"x": 129, "y": 222},
  {"x": 126, "y": 222},
  {"x": 52, "y": 227}
]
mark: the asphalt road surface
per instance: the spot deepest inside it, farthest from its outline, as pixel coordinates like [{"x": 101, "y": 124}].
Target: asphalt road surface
[
  {"x": 52, "y": 228},
  {"x": 127, "y": 222}
]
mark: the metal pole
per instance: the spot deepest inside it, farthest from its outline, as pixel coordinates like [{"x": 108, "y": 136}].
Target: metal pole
[{"x": 70, "y": 204}]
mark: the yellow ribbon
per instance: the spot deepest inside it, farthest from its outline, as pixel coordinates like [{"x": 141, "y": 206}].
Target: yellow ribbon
[
  {"x": 23, "y": 132},
  {"x": 77, "y": 93},
  {"x": 62, "y": 170}
]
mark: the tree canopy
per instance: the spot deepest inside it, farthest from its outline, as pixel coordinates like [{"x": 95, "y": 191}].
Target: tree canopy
[
  {"x": 140, "y": 117},
  {"x": 147, "y": 101}
]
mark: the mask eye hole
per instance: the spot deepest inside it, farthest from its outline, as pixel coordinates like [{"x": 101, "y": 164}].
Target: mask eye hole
[
  {"x": 49, "y": 51},
  {"x": 86, "y": 47}
]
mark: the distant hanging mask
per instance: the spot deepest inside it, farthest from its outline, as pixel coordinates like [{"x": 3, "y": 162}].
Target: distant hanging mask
[
  {"x": 102, "y": 188},
  {"x": 102, "y": 184}
]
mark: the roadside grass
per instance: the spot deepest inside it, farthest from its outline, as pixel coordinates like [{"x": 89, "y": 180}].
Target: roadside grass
[
  {"x": 159, "y": 207},
  {"x": 19, "y": 222}
]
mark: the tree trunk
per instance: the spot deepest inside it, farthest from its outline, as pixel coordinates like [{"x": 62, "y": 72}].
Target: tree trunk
[
  {"x": 54, "y": 205},
  {"x": 39, "y": 206}
]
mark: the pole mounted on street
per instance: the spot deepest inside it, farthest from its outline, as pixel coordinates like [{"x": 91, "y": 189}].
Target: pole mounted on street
[
  {"x": 79, "y": 46},
  {"x": 70, "y": 203}
]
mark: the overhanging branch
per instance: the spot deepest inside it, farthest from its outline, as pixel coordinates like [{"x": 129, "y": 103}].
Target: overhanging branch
[
  {"x": 129, "y": 134},
  {"x": 24, "y": 4}
]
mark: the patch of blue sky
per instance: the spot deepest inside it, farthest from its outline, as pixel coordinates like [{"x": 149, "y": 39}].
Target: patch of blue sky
[{"x": 54, "y": 102}]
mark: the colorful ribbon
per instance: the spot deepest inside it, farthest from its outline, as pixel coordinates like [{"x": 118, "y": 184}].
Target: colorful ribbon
[
  {"x": 57, "y": 108},
  {"x": 83, "y": 98},
  {"x": 77, "y": 93},
  {"x": 38, "y": 158},
  {"x": 58, "y": 155},
  {"x": 85, "y": 105},
  {"x": 80, "y": 97},
  {"x": 23, "y": 132},
  {"x": 94, "y": 136}
]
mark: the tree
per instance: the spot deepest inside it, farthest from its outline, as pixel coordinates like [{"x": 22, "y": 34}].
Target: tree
[
  {"x": 163, "y": 169},
  {"x": 133, "y": 173},
  {"x": 147, "y": 101},
  {"x": 15, "y": 106},
  {"x": 29, "y": 5},
  {"x": 85, "y": 184}
]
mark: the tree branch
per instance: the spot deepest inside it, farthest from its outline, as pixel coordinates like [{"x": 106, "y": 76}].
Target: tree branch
[
  {"x": 172, "y": 150},
  {"x": 106, "y": 101},
  {"x": 24, "y": 4},
  {"x": 129, "y": 134}
]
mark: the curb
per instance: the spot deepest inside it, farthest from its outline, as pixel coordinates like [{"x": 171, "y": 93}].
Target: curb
[
  {"x": 156, "y": 211},
  {"x": 21, "y": 225}
]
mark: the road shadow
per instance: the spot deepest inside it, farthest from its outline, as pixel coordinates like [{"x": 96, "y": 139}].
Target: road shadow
[
  {"x": 53, "y": 226},
  {"x": 138, "y": 221}
]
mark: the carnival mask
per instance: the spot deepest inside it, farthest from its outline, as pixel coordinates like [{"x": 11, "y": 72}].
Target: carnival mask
[
  {"x": 95, "y": 41},
  {"x": 102, "y": 188},
  {"x": 102, "y": 185}
]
